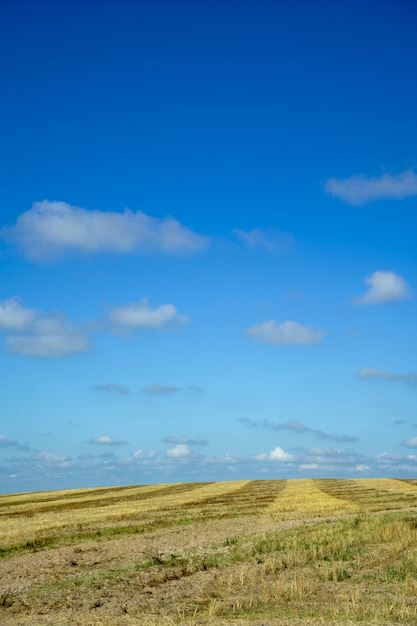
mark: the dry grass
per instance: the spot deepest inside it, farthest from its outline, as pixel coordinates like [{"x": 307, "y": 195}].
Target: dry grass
[
  {"x": 247, "y": 552},
  {"x": 372, "y": 494},
  {"x": 54, "y": 512},
  {"x": 304, "y": 499}
]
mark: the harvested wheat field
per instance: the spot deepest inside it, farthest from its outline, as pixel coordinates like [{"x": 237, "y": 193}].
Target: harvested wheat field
[{"x": 257, "y": 553}]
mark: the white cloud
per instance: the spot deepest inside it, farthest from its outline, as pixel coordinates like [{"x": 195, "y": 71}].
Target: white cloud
[
  {"x": 40, "y": 334},
  {"x": 105, "y": 440},
  {"x": 309, "y": 466},
  {"x": 362, "y": 468},
  {"x": 180, "y": 464},
  {"x": 410, "y": 443},
  {"x": 396, "y": 464},
  {"x": 287, "y": 333},
  {"x": 14, "y": 317},
  {"x": 181, "y": 450},
  {"x": 369, "y": 373},
  {"x": 388, "y": 458},
  {"x": 5, "y": 442},
  {"x": 332, "y": 461},
  {"x": 358, "y": 190},
  {"x": 223, "y": 460},
  {"x": 142, "y": 315},
  {"x": 52, "y": 229},
  {"x": 271, "y": 239},
  {"x": 276, "y": 455},
  {"x": 47, "y": 346},
  {"x": 384, "y": 287},
  {"x": 160, "y": 390},
  {"x": 145, "y": 455},
  {"x": 50, "y": 457}
]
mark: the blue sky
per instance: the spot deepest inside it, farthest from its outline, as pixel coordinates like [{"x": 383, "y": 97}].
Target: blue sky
[{"x": 207, "y": 241}]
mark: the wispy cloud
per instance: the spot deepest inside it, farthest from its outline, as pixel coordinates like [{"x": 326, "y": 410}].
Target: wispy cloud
[
  {"x": 296, "y": 426},
  {"x": 189, "y": 441},
  {"x": 141, "y": 315},
  {"x": 363, "y": 469},
  {"x": 337, "y": 438},
  {"x": 194, "y": 389},
  {"x": 396, "y": 464},
  {"x": 47, "y": 346},
  {"x": 52, "y": 458},
  {"x": 107, "y": 456},
  {"x": 181, "y": 463},
  {"x": 383, "y": 287},
  {"x": 145, "y": 455},
  {"x": 285, "y": 334},
  {"x": 361, "y": 189},
  {"x": 272, "y": 240},
  {"x": 113, "y": 388},
  {"x": 331, "y": 460},
  {"x": 160, "y": 390},
  {"x": 372, "y": 373},
  {"x": 105, "y": 440},
  {"x": 52, "y": 229},
  {"x": 5, "y": 442},
  {"x": 249, "y": 423},
  {"x": 39, "y": 334}
]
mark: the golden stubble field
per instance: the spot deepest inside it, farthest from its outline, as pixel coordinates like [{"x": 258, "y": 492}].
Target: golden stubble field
[{"x": 259, "y": 553}]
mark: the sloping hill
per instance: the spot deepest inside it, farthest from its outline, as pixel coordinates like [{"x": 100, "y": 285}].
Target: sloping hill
[{"x": 246, "y": 552}]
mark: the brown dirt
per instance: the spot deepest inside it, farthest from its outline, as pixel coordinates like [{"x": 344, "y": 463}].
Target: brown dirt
[{"x": 117, "y": 591}]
